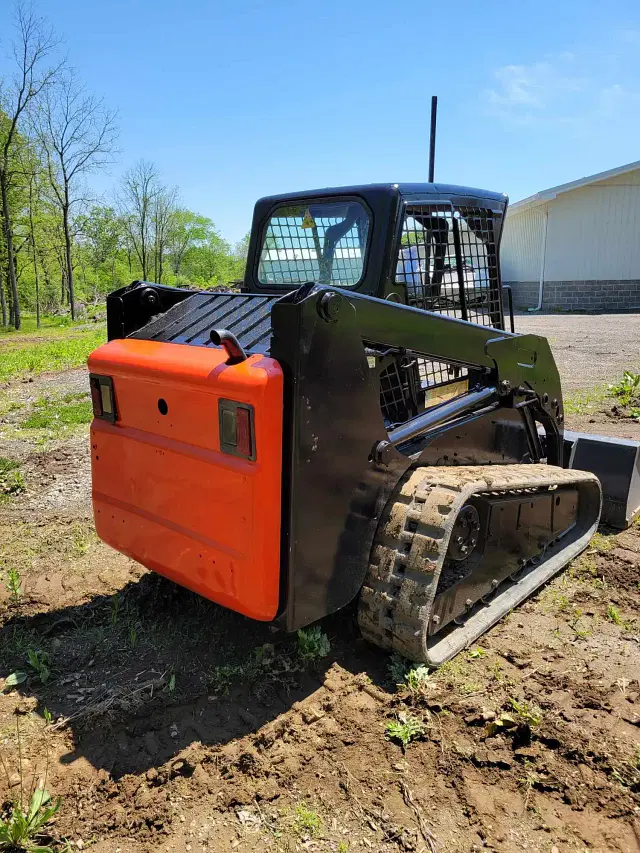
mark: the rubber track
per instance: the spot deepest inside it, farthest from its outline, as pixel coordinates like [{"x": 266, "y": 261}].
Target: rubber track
[{"x": 412, "y": 541}]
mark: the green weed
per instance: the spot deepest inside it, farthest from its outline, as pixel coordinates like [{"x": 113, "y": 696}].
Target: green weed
[
  {"x": 20, "y": 358},
  {"x": 307, "y": 823},
  {"x": 24, "y": 819},
  {"x": 22, "y": 828},
  {"x": 417, "y": 679},
  {"x": 478, "y": 652},
  {"x": 397, "y": 668},
  {"x": 343, "y": 847},
  {"x": 313, "y": 644},
  {"x": 527, "y": 713},
  {"x": 11, "y": 478},
  {"x": 39, "y": 664},
  {"x": 14, "y": 584},
  {"x": 628, "y": 389},
  {"x": 405, "y": 729},
  {"x": 613, "y": 614}
]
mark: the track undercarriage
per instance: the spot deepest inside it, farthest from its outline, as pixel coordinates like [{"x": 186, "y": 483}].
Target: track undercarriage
[{"x": 458, "y": 547}]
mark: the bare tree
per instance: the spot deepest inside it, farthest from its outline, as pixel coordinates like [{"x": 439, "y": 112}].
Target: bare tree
[
  {"x": 78, "y": 135},
  {"x": 165, "y": 209},
  {"x": 32, "y": 47},
  {"x": 140, "y": 188}
]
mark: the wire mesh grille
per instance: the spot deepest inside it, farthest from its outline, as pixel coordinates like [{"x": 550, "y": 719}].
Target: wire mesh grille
[
  {"x": 449, "y": 264},
  {"x": 323, "y": 242}
]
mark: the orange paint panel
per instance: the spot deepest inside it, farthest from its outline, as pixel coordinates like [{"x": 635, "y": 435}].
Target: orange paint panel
[{"x": 165, "y": 494}]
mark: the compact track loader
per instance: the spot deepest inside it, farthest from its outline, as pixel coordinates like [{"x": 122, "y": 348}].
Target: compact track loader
[{"x": 355, "y": 422}]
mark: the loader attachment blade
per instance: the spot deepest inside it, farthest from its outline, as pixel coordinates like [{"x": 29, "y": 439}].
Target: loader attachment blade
[{"x": 616, "y": 463}]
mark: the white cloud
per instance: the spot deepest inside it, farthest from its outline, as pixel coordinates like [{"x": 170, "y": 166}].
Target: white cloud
[
  {"x": 531, "y": 86},
  {"x": 572, "y": 91}
]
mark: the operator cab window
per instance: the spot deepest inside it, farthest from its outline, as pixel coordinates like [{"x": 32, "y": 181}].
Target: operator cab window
[{"x": 319, "y": 241}]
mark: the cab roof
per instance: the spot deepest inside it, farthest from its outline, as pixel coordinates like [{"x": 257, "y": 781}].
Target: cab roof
[{"x": 413, "y": 191}]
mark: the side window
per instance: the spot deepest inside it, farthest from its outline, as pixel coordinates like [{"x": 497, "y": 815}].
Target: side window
[
  {"x": 448, "y": 262},
  {"x": 320, "y": 241}
]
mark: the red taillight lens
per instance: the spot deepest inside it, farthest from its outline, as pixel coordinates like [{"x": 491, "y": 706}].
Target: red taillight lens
[
  {"x": 102, "y": 398},
  {"x": 236, "y": 429},
  {"x": 96, "y": 397},
  {"x": 243, "y": 432}
]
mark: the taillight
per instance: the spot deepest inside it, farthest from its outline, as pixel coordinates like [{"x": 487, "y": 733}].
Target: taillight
[
  {"x": 236, "y": 429},
  {"x": 102, "y": 398}
]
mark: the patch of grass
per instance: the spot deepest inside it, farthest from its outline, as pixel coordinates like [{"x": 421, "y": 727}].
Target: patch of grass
[
  {"x": 11, "y": 478},
  {"x": 458, "y": 675},
  {"x": 50, "y": 324},
  {"x": 83, "y": 536},
  {"x": 585, "y": 402},
  {"x": 601, "y": 544},
  {"x": 48, "y": 356},
  {"x": 313, "y": 644},
  {"x": 55, "y": 414},
  {"x": 307, "y": 823},
  {"x": 405, "y": 729}
]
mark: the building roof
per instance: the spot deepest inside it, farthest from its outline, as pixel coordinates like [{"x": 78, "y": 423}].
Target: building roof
[{"x": 548, "y": 195}]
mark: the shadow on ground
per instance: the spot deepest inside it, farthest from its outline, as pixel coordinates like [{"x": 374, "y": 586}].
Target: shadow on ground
[{"x": 139, "y": 675}]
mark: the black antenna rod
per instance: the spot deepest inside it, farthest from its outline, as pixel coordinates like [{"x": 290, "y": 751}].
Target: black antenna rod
[{"x": 432, "y": 141}]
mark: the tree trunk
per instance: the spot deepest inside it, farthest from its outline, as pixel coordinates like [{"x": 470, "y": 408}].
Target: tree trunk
[
  {"x": 8, "y": 238},
  {"x": 35, "y": 257},
  {"x": 67, "y": 254},
  {"x": 3, "y": 301}
]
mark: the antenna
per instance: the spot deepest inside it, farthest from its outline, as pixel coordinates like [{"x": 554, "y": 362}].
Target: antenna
[{"x": 432, "y": 140}]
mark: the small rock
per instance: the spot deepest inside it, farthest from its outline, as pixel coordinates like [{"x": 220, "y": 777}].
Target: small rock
[
  {"x": 173, "y": 731},
  {"x": 14, "y": 779},
  {"x": 312, "y": 715},
  {"x": 152, "y": 775},
  {"x": 632, "y": 697},
  {"x": 526, "y": 752},
  {"x": 555, "y": 849}
]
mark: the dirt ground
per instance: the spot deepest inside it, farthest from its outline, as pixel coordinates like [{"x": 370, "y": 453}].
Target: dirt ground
[{"x": 169, "y": 724}]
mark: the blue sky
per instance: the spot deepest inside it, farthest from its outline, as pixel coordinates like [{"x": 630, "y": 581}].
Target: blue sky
[{"x": 234, "y": 100}]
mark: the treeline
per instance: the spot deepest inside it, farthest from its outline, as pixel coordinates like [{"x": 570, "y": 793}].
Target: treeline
[{"x": 61, "y": 248}]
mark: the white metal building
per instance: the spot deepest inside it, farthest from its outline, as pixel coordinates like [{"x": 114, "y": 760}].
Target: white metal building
[{"x": 577, "y": 246}]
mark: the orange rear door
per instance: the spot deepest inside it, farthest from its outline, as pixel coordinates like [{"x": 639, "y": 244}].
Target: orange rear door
[{"x": 164, "y": 491}]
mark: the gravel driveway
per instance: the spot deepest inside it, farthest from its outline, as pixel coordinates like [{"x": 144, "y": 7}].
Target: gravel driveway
[{"x": 590, "y": 349}]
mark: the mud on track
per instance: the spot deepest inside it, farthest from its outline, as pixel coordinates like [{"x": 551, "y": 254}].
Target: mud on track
[{"x": 176, "y": 725}]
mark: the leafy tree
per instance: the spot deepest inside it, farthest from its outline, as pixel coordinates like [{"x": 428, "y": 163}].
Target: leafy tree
[{"x": 32, "y": 77}]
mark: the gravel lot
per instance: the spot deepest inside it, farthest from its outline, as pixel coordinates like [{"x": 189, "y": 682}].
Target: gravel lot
[{"x": 590, "y": 350}]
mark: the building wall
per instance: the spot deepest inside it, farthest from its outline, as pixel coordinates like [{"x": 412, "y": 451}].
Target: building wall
[
  {"x": 620, "y": 295},
  {"x": 521, "y": 246},
  {"x": 593, "y": 234},
  {"x": 592, "y": 259}
]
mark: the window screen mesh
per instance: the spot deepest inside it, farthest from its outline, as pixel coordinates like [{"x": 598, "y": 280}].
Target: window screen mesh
[
  {"x": 324, "y": 242},
  {"x": 449, "y": 263}
]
